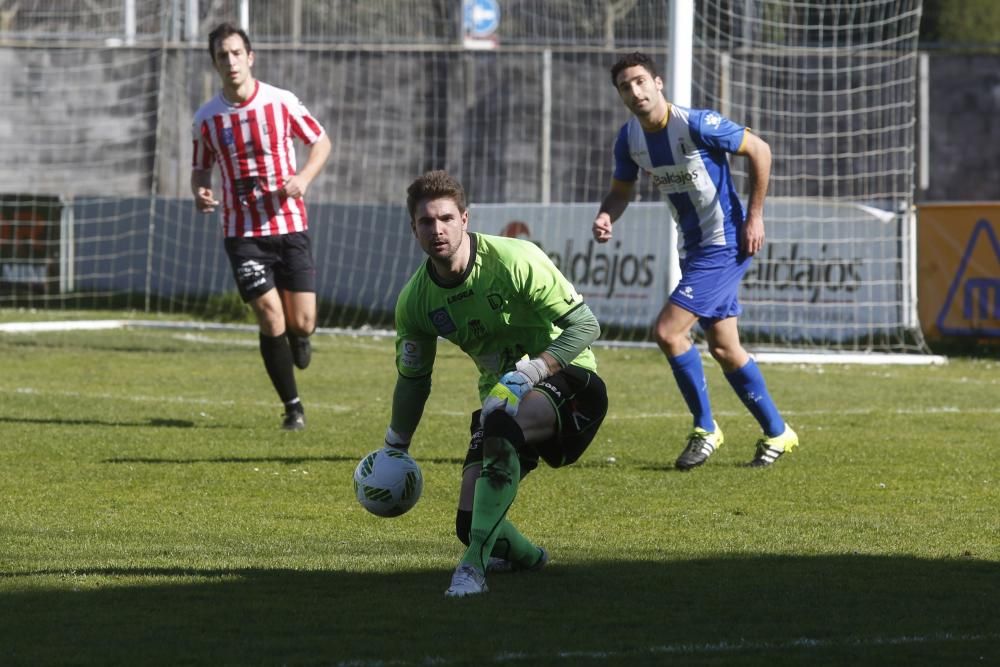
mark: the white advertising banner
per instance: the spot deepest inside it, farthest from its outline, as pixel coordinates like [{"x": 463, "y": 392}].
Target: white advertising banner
[
  {"x": 623, "y": 281},
  {"x": 828, "y": 271}
]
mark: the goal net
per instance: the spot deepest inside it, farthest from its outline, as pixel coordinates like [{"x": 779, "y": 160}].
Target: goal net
[
  {"x": 832, "y": 87},
  {"x": 512, "y": 97}
]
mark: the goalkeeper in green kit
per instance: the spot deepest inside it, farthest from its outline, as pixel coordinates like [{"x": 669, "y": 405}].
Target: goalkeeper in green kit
[{"x": 507, "y": 306}]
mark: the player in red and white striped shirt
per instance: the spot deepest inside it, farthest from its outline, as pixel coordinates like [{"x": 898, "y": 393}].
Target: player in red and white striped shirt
[{"x": 247, "y": 129}]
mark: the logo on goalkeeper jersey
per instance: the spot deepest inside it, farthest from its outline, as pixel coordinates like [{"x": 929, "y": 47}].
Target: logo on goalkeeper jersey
[
  {"x": 410, "y": 354},
  {"x": 478, "y": 329},
  {"x": 442, "y": 322},
  {"x": 465, "y": 294}
]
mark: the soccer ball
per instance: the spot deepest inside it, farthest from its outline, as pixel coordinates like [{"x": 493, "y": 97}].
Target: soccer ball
[{"x": 388, "y": 482}]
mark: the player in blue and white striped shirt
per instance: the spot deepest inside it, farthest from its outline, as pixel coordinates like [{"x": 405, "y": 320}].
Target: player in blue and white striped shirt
[{"x": 685, "y": 153}]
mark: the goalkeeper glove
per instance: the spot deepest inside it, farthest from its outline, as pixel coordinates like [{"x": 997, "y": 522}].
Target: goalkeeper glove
[
  {"x": 501, "y": 397},
  {"x": 508, "y": 392},
  {"x": 394, "y": 440}
]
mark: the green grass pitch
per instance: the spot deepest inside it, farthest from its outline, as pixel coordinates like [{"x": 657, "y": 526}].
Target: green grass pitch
[{"x": 151, "y": 512}]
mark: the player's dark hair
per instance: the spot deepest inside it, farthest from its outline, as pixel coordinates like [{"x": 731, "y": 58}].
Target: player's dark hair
[
  {"x": 633, "y": 59},
  {"x": 222, "y": 31},
  {"x": 435, "y": 185}
]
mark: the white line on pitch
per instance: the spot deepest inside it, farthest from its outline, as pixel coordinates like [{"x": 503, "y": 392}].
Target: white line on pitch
[
  {"x": 138, "y": 398},
  {"x": 929, "y": 410},
  {"x": 339, "y": 407}
]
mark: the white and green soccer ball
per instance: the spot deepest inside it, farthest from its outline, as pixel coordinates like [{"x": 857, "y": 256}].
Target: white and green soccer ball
[{"x": 388, "y": 482}]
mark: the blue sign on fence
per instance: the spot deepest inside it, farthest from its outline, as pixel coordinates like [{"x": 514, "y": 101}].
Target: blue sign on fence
[{"x": 481, "y": 19}]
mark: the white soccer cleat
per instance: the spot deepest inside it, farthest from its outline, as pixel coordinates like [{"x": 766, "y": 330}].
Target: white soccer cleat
[{"x": 467, "y": 580}]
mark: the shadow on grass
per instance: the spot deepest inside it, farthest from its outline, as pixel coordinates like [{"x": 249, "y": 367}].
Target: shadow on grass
[
  {"x": 264, "y": 459},
  {"x": 759, "y": 611},
  {"x": 154, "y": 422}
]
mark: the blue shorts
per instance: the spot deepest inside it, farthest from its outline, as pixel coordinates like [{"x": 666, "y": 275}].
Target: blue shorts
[{"x": 710, "y": 283}]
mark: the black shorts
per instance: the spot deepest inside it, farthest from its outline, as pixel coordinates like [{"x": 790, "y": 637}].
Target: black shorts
[
  {"x": 261, "y": 263},
  {"x": 581, "y": 403}
]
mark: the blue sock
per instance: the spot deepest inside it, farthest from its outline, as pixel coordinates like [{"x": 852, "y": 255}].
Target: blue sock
[
  {"x": 690, "y": 376},
  {"x": 749, "y": 385}
]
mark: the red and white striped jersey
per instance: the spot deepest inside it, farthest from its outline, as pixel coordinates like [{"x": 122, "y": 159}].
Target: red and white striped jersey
[{"x": 252, "y": 142}]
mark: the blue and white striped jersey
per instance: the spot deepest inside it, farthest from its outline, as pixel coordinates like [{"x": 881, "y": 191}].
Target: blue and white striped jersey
[{"x": 687, "y": 161}]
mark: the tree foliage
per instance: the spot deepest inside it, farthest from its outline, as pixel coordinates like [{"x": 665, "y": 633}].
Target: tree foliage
[{"x": 961, "y": 22}]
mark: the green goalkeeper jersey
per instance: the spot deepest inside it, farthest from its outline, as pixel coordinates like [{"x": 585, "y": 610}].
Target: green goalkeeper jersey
[{"x": 507, "y": 305}]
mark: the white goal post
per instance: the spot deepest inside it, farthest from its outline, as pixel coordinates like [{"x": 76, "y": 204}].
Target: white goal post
[{"x": 95, "y": 210}]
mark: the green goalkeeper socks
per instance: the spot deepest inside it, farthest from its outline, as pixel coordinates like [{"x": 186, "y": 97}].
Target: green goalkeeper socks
[
  {"x": 495, "y": 491},
  {"x": 511, "y": 545}
]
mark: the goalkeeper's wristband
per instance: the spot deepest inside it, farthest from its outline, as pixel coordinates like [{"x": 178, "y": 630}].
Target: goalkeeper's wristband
[
  {"x": 535, "y": 369},
  {"x": 395, "y": 440}
]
